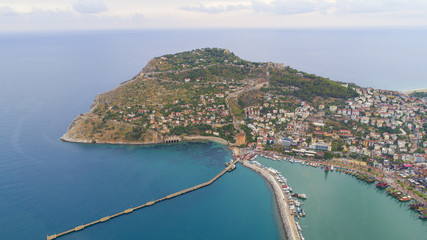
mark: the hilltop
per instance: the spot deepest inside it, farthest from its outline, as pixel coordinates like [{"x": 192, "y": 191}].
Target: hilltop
[{"x": 204, "y": 92}]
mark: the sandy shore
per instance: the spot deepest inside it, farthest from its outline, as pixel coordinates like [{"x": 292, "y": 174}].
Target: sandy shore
[
  {"x": 205, "y": 138},
  {"x": 288, "y": 222}
]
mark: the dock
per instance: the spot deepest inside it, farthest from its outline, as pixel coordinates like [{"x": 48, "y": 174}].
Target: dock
[{"x": 150, "y": 203}]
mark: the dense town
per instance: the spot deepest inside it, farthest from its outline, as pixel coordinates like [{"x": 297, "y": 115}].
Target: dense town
[{"x": 378, "y": 131}]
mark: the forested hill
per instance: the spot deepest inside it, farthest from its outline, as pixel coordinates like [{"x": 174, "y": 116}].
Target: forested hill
[
  {"x": 198, "y": 58},
  {"x": 305, "y": 86},
  {"x": 215, "y": 64}
]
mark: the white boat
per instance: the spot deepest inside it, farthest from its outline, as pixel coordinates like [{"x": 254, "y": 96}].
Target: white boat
[
  {"x": 298, "y": 226},
  {"x": 302, "y": 195},
  {"x": 332, "y": 168}
]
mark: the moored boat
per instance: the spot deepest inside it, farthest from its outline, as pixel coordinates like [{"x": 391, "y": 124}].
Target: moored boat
[
  {"x": 416, "y": 205},
  {"x": 405, "y": 198},
  {"x": 382, "y": 185},
  {"x": 370, "y": 179},
  {"x": 327, "y": 169},
  {"x": 397, "y": 194},
  {"x": 390, "y": 189}
]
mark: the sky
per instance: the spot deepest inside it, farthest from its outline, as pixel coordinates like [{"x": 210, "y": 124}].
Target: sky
[{"x": 48, "y": 15}]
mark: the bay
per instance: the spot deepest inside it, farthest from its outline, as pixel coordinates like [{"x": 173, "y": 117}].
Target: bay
[{"x": 339, "y": 206}]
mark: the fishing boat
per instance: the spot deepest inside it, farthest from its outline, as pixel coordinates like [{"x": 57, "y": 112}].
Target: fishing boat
[
  {"x": 382, "y": 185},
  {"x": 300, "y": 195},
  {"x": 370, "y": 179},
  {"x": 332, "y": 168},
  {"x": 303, "y": 212},
  {"x": 327, "y": 169},
  {"x": 416, "y": 205},
  {"x": 389, "y": 189},
  {"x": 397, "y": 194},
  {"x": 405, "y": 198},
  {"x": 363, "y": 177}
]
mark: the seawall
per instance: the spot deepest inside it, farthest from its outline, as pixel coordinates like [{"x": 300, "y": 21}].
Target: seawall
[{"x": 288, "y": 222}]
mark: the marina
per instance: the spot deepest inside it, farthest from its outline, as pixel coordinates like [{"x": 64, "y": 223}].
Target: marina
[
  {"x": 332, "y": 194},
  {"x": 384, "y": 179},
  {"x": 289, "y": 208}
]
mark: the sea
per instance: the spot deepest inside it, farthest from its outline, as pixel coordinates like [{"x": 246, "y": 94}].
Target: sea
[{"x": 48, "y": 186}]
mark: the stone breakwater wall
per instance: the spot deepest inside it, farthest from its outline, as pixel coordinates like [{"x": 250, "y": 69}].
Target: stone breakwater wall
[{"x": 288, "y": 222}]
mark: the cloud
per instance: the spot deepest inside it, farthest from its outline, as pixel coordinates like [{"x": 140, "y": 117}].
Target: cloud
[
  {"x": 216, "y": 9},
  {"x": 7, "y": 12},
  {"x": 378, "y": 6},
  {"x": 285, "y": 7},
  {"x": 42, "y": 20},
  {"x": 288, "y": 7},
  {"x": 90, "y": 6}
]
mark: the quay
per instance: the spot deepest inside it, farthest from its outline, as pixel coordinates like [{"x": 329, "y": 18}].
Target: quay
[
  {"x": 288, "y": 222},
  {"x": 150, "y": 203}
]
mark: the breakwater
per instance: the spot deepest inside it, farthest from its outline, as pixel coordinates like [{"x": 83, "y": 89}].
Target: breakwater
[
  {"x": 288, "y": 222},
  {"x": 150, "y": 203}
]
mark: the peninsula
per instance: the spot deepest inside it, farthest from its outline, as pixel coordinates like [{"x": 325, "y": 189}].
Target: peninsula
[
  {"x": 211, "y": 94},
  {"x": 201, "y": 94}
]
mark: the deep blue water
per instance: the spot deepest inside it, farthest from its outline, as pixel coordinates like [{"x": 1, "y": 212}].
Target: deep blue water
[
  {"x": 46, "y": 79},
  {"x": 48, "y": 186}
]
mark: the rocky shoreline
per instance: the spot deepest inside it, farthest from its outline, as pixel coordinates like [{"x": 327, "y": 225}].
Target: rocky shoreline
[{"x": 191, "y": 138}]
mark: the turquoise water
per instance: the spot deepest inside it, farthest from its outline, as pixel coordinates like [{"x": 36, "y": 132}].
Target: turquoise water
[{"x": 339, "y": 206}]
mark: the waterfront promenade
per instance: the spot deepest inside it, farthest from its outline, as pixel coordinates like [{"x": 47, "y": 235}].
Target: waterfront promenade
[
  {"x": 391, "y": 178},
  {"x": 150, "y": 203}
]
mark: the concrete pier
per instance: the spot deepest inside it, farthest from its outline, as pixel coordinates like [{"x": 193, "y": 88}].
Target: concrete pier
[{"x": 150, "y": 203}]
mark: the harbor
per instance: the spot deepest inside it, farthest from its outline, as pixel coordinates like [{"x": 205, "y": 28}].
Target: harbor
[
  {"x": 287, "y": 206},
  {"x": 382, "y": 179},
  {"x": 334, "y": 196}
]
